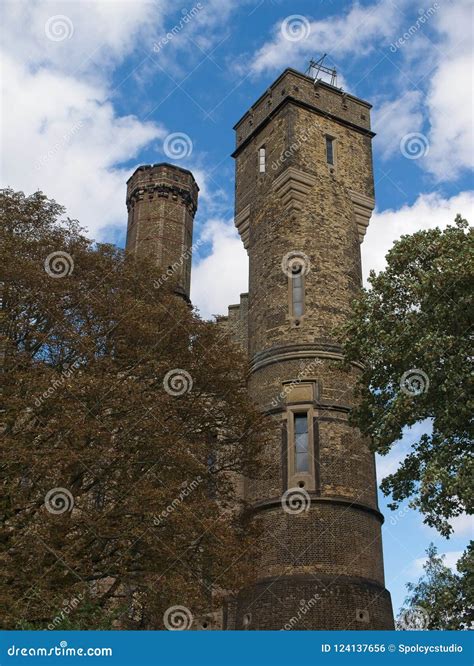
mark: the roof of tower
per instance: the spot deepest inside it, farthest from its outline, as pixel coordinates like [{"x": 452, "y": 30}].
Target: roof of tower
[
  {"x": 306, "y": 92},
  {"x": 163, "y": 165},
  {"x": 308, "y": 78}
]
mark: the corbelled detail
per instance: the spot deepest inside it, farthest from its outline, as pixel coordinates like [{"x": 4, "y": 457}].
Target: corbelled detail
[
  {"x": 363, "y": 207},
  {"x": 242, "y": 222},
  {"x": 293, "y": 186},
  {"x": 162, "y": 190}
]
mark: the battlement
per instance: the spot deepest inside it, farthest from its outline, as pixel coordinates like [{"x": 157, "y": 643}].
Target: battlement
[
  {"x": 320, "y": 97},
  {"x": 164, "y": 180}
]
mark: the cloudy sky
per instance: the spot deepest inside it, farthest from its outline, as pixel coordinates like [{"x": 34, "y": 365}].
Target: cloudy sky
[{"x": 93, "y": 88}]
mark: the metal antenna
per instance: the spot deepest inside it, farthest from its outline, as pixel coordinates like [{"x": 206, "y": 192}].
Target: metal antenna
[{"x": 316, "y": 67}]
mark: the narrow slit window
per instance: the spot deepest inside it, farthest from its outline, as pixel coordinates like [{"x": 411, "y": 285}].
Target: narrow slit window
[
  {"x": 261, "y": 159},
  {"x": 301, "y": 442},
  {"x": 330, "y": 150},
  {"x": 297, "y": 291}
]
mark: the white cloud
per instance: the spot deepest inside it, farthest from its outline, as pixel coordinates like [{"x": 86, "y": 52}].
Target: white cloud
[
  {"x": 62, "y": 136},
  {"x": 449, "y": 101},
  {"x": 450, "y": 108},
  {"x": 84, "y": 37},
  {"x": 463, "y": 525},
  {"x": 219, "y": 279},
  {"x": 428, "y": 211},
  {"x": 356, "y": 33},
  {"x": 450, "y": 559},
  {"x": 394, "y": 119}
]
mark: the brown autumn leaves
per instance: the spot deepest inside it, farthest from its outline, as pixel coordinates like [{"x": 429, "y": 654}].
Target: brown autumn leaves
[{"x": 125, "y": 422}]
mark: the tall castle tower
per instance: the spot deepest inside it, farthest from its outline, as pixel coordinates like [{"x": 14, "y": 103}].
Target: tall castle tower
[
  {"x": 161, "y": 203},
  {"x": 304, "y": 197}
]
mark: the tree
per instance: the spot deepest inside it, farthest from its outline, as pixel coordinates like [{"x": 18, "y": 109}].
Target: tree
[
  {"x": 441, "y": 599},
  {"x": 412, "y": 331},
  {"x": 125, "y": 424}
]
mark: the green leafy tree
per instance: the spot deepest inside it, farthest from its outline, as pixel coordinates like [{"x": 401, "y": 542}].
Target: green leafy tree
[
  {"x": 412, "y": 331},
  {"x": 442, "y": 598}
]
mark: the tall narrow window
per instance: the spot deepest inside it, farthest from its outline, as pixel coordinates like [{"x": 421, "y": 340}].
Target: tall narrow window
[
  {"x": 330, "y": 150},
  {"x": 297, "y": 290},
  {"x": 261, "y": 159},
  {"x": 301, "y": 442}
]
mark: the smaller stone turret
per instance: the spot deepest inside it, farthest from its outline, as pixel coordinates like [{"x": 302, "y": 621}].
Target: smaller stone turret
[{"x": 161, "y": 202}]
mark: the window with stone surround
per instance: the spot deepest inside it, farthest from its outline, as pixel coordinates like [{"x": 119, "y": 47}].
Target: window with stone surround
[
  {"x": 297, "y": 291},
  {"x": 301, "y": 442},
  {"x": 261, "y": 159},
  {"x": 330, "y": 149}
]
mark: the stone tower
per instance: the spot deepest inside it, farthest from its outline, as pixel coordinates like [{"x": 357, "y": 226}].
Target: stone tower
[
  {"x": 161, "y": 203},
  {"x": 304, "y": 196}
]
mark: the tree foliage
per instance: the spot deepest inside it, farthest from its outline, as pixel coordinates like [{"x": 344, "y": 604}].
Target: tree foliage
[
  {"x": 412, "y": 331},
  {"x": 125, "y": 423},
  {"x": 442, "y": 598}
]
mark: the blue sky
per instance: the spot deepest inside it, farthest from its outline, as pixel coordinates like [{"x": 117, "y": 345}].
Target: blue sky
[{"x": 99, "y": 89}]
